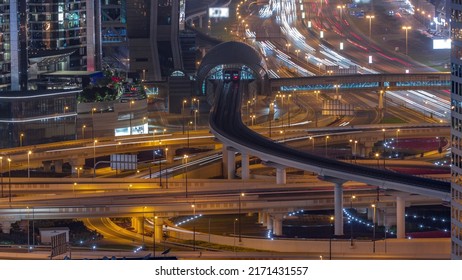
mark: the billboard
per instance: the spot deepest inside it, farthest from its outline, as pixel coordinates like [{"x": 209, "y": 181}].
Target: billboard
[
  {"x": 218, "y": 12},
  {"x": 441, "y": 44}
]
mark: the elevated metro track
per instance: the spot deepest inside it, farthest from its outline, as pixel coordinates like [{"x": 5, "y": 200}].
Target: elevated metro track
[
  {"x": 437, "y": 80},
  {"x": 226, "y": 125}
]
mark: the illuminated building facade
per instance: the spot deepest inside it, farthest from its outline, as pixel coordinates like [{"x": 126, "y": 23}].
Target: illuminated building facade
[
  {"x": 456, "y": 129},
  {"x": 67, "y": 31},
  {"x": 34, "y": 117},
  {"x": 153, "y": 37}
]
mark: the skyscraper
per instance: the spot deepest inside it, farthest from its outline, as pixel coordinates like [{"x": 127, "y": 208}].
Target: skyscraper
[
  {"x": 456, "y": 129},
  {"x": 153, "y": 37},
  {"x": 67, "y": 30}
]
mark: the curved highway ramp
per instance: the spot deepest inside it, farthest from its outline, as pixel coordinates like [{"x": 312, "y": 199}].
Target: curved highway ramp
[{"x": 226, "y": 125}]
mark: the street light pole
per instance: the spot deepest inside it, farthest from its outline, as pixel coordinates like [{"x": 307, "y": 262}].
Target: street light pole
[
  {"x": 9, "y": 180},
  {"x": 194, "y": 226},
  {"x": 65, "y": 109},
  {"x": 166, "y": 169},
  {"x": 83, "y": 131},
  {"x": 131, "y": 103},
  {"x": 92, "y": 123},
  {"x": 370, "y": 17},
  {"x": 325, "y": 146},
  {"x": 182, "y": 113},
  {"x": 331, "y": 236},
  {"x": 351, "y": 220},
  {"x": 383, "y": 150},
  {"x": 20, "y": 139},
  {"x": 28, "y": 163},
  {"x": 406, "y": 28},
  {"x": 373, "y": 230},
  {"x": 356, "y": 142},
  {"x": 185, "y": 157},
  {"x": 94, "y": 157},
  {"x": 195, "y": 119},
  {"x": 239, "y": 228},
  {"x": 154, "y": 235}
]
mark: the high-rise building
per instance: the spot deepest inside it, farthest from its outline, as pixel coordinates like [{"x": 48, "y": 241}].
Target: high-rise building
[
  {"x": 153, "y": 37},
  {"x": 47, "y": 35},
  {"x": 456, "y": 128}
]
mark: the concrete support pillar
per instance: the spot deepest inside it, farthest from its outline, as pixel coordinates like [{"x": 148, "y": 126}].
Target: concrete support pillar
[
  {"x": 338, "y": 209},
  {"x": 200, "y": 22},
  {"x": 269, "y": 222},
  {"x": 261, "y": 217},
  {"x": 137, "y": 224},
  {"x": 6, "y": 226},
  {"x": 277, "y": 224},
  {"x": 231, "y": 170},
  {"x": 158, "y": 229},
  {"x": 390, "y": 216},
  {"x": 245, "y": 171},
  {"x": 400, "y": 216},
  {"x": 58, "y": 165},
  {"x": 370, "y": 213},
  {"x": 281, "y": 176},
  {"x": 380, "y": 217},
  {"x": 46, "y": 165}
]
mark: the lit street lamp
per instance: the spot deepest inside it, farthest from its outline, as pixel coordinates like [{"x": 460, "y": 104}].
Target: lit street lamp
[
  {"x": 182, "y": 112},
  {"x": 83, "y": 131},
  {"x": 351, "y": 220},
  {"x": 193, "y": 206},
  {"x": 373, "y": 230},
  {"x": 94, "y": 157},
  {"x": 370, "y": 17},
  {"x": 21, "y": 136},
  {"x": 384, "y": 147},
  {"x": 356, "y": 142},
  {"x": 9, "y": 180},
  {"x": 166, "y": 169},
  {"x": 185, "y": 158},
  {"x": 239, "y": 226},
  {"x": 65, "y": 109},
  {"x": 28, "y": 163},
  {"x": 377, "y": 156},
  {"x": 93, "y": 123},
  {"x": 131, "y": 103},
  {"x": 195, "y": 119},
  {"x": 331, "y": 236},
  {"x": 154, "y": 236},
  {"x": 78, "y": 169},
  {"x": 325, "y": 146},
  {"x": 341, "y": 7},
  {"x": 406, "y": 28}
]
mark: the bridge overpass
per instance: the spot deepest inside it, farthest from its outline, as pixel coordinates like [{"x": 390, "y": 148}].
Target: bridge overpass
[
  {"x": 393, "y": 81},
  {"x": 227, "y": 126}
]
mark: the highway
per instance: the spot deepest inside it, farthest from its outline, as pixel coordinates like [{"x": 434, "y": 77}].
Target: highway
[{"x": 226, "y": 124}]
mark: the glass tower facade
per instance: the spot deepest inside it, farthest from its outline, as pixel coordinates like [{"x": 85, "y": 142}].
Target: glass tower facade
[
  {"x": 456, "y": 129},
  {"x": 36, "y": 117},
  {"x": 66, "y": 31}
]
